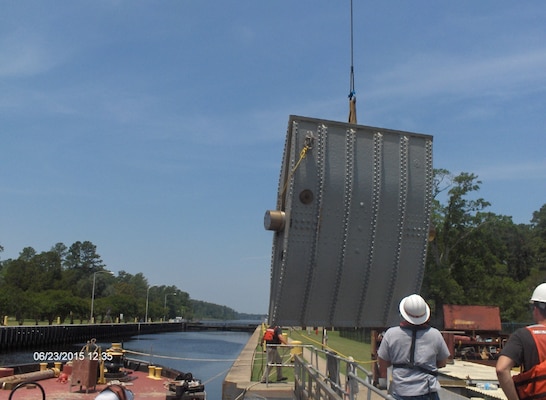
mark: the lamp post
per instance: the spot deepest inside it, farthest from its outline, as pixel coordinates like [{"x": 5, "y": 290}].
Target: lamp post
[
  {"x": 147, "y": 297},
  {"x": 93, "y": 292},
  {"x": 165, "y": 305}
]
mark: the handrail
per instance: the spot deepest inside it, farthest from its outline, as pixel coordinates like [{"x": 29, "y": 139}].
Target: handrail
[{"x": 318, "y": 375}]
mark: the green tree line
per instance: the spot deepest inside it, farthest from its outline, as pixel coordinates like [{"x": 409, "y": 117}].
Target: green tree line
[
  {"x": 476, "y": 257},
  {"x": 70, "y": 283}
]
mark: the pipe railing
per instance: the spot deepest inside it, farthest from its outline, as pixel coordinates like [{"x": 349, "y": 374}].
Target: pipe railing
[{"x": 324, "y": 375}]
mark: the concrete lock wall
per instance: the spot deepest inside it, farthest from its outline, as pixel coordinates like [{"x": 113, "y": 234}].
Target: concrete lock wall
[{"x": 22, "y": 337}]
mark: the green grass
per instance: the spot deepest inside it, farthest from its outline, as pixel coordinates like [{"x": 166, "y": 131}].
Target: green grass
[
  {"x": 360, "y": 352},
  {"x": 342, "y": 346}
]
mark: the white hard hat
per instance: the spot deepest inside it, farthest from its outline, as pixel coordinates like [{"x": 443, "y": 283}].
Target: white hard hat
[
  {"x": 539, "y": 294},
  {"x": 109, "y": 395},
  {"x": 415, "y": 309}
]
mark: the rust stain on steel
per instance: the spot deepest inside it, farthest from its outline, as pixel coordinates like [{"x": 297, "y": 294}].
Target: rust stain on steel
[{"x": 479, "y": 318}]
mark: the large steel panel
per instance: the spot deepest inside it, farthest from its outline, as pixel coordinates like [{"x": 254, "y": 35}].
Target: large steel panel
[{"x": 356, "y": 203}]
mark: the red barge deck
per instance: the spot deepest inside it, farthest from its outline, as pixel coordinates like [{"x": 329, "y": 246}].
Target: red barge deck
[{"x": 65, "y": 384}]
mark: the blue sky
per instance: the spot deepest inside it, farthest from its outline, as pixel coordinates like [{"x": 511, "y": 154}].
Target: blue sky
[{"x": 155, "y": 129}]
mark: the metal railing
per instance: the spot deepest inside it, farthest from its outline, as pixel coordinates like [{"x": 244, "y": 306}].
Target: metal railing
[{"x": 323, "y": 375}]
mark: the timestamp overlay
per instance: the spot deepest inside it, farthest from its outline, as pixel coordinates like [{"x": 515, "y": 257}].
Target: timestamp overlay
[{"x": 66, "y": 356}]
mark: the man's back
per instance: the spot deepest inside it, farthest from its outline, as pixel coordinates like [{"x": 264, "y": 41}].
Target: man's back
[
  {"x": 522, "y": 348},
  {"x": 526, "y": 347},
  {"x": 430, "y": 348}
]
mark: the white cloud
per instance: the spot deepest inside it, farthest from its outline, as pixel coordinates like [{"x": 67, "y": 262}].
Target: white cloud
[
  {"x": 26, "y": 54},
  {"x": 440, "y": 74},
  {"x": 530, "y": 170}
]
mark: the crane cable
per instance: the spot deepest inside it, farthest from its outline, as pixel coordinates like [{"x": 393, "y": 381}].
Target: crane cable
[{"x": 352, "y": 93}]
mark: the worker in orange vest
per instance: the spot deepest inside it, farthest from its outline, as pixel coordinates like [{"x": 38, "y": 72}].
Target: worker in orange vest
[{"x": 526, "y": 348}]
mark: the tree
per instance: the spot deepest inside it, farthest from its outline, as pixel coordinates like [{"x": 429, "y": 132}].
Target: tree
[
  {"x": 538, "y": 226},
  {"x": 84, "y": 257},
  {"x": 47, "y": 271},
  {"x": 18, "y": 274},
  {"x": 80, "y": 263},
  {"x": 136, "y": 286},
  {"x": 59, "y": 283},
  {"x": 118, "y": 305},
  {"x": 105, "y": 284},
  {"x": 452, "y": 223},
  {"x": 477, "y": 257},
  {"x": 203, "y": 309},
  {"x": 27, "y": 253},
  {"x": 61, "y": 250},
  {"x": 11, "y": 301},
  {"x": 55, "y": 304}
]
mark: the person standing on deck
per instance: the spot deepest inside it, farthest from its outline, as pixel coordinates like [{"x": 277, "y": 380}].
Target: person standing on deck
[
  {"x": 273, "y": 336},
  {"x": 526, "y": 348},
  {"x": 415, "y": 351}
]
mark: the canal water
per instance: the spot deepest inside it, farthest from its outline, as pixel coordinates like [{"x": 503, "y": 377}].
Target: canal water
[{"x": 207, "y": 355}]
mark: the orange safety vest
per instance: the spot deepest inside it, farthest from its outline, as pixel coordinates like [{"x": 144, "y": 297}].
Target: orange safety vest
[
  {"x": 269, "y": 335},
  {"x": 531, "y": 384}
]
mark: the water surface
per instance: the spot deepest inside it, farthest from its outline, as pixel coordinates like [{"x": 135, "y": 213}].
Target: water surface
[{"x": 207, "y": 355}]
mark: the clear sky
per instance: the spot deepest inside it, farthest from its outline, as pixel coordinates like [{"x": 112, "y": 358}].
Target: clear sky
[{"x": 155, "y": 129}]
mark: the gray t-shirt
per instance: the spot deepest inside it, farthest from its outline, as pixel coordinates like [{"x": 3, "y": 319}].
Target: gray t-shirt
[{"x": 430, "y": 347}]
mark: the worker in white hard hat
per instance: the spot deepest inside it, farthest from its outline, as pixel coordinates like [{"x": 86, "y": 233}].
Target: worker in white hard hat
[
  {"x": 526, "y": 347},
  {"x": 415, "y": 350}
]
